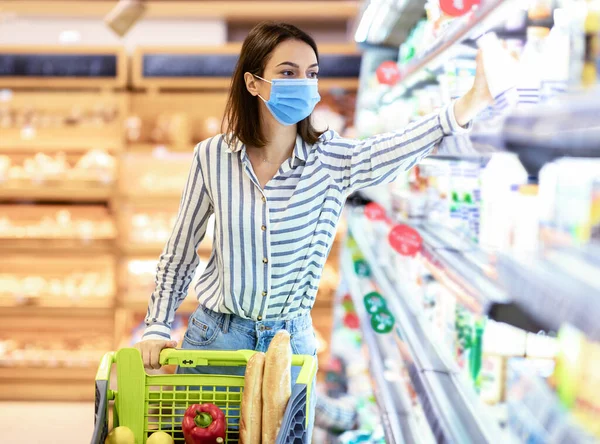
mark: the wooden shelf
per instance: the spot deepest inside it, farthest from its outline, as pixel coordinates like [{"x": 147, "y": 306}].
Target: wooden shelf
[
  {"x": 148, "y": 147},
  {"x": 67, "y": 78},
  {"x": 232, "y": 11},
  {"x": 47, "y": 191},
  {"x": 72, "y": 246},
  {"x": 47, "y": 383},
  {"x": 52, "y": 306},
  {"x": 68, "y": 140}
]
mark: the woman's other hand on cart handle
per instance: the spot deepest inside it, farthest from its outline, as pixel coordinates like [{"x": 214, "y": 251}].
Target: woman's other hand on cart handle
[
  {"x": 476, "y": 99},
  {"x": 150, "y": 350}
]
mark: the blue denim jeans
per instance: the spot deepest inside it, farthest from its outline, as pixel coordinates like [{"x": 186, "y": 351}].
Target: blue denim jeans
[{"x": 209, "y": 330}]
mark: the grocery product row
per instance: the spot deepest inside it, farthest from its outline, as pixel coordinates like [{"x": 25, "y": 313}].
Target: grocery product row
[
  {"x": 492, "y": 373},
  {"x": 469, "y": 282}
]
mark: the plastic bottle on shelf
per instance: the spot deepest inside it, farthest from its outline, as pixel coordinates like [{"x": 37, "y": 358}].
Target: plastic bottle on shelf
[
  {"x": 502, "y": 174},
  {"x": 556, "y": 57},
  {"x": 526, "y": 229},
  {"x": 530, "y": 67}
]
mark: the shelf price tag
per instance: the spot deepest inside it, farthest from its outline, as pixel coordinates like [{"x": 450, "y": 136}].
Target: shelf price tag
[
  {"x": 405, "y": 240},
  {"x": 375, "y": 212},
  {"x": 361, "y": 268},
  {"x": 383, "y": 322},
  {"x": 374, "y": 303},
  {"x": 388, "y": 73},
  {"x": 456, "y": 8}
]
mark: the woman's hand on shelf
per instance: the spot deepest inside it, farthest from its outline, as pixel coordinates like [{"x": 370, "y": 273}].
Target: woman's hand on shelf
[
  {"x": 477, "y": 99},
  {"x": 150, "y": 350}
]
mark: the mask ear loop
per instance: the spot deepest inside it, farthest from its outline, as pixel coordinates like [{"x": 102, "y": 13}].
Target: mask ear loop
[{"x": 264, "y": 80}]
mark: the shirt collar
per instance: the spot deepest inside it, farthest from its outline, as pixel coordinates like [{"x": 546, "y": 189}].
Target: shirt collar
[{"x": 300, "y": 150}]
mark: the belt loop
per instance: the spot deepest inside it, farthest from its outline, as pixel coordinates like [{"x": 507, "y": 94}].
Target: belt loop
[
  {"x": 289, "y": 326},
  {"x": 226, "y": 322}
]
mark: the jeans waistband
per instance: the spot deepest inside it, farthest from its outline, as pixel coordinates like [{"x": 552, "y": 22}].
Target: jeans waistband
[{"x": 292, "y": 326}]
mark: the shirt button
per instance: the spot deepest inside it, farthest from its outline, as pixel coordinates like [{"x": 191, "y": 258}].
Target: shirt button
[
  {"x": 264, "y": 199},
  {"x": 265, "y": 260},
  {"x": 264, "y": 293},
  {"x": 264, "y": 228},
  {"x": 259, "y": 318}
]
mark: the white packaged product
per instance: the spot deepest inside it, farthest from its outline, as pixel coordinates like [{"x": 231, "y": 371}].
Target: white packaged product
[{"x": 503, "y": 172}]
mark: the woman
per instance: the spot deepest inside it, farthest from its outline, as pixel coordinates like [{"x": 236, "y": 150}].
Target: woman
[{"x": 276, "y": 187}]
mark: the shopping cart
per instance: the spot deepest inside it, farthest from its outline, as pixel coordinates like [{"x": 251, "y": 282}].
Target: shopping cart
[{"x": 149, "y": 403}]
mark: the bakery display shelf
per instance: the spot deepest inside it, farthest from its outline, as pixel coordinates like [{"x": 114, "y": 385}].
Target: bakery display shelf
[
  {"x": 25, "y": 383},
  {"x": 452, "y": 408},
  {"x": 45, "y": 301},
  {"x": 68, "y": 311},
  {"x": 68, "y": 140},
  {"x": 58, "y": 245},
  {"x": 149, "y": 147},
  {"x": 63, "y": 191},
  {"x": 14, "y": 370},
  {"x": 388, "y": 387}
]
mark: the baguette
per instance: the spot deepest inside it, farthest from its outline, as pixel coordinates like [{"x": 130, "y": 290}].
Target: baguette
[
  {"x": 277, "y": 386},
  {"x": 252, "y": 402}
]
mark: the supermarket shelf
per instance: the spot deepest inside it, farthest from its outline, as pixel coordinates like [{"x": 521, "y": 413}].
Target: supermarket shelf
[
  {"x": 521, "y": 296},
  {"x": 451, "y": 406},
  {"x": 398, "y": 424},
  {"x": 457, "y": 32},
  {"x": 469, "y": 273},
  {"x": 560, "y": 287},
  {"x": 55, "y": 192},
  {"x": 448, "y": 254}
]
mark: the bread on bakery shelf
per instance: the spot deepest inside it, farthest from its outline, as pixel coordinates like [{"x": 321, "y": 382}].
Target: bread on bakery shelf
[
  {"x": 252, "y": 401},
  {"x": 277, "y": 386}
]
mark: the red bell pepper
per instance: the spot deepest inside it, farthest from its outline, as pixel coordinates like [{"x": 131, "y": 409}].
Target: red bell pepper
[{"x": 204, "y": 424}]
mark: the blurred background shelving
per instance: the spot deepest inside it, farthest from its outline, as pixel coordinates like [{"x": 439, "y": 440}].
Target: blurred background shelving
[{"x": 95, "y": 149}]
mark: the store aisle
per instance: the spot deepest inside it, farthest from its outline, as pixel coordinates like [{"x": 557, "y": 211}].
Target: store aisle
[{"x": 55, "y": 422}]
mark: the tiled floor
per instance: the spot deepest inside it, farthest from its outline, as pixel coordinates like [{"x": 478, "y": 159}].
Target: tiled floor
[{"x": 46, "y": 423}]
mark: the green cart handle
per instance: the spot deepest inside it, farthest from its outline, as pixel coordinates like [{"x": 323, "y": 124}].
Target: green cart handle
[
  {"x": 195, "y": 358},
  {"x": 106, "y": 363}
]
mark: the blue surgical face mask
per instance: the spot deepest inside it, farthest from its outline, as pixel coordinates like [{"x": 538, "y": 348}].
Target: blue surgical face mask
[{"x": 292, "y": 100}]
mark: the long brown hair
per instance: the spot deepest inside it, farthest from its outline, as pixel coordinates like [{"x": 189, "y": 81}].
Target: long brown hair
[{"x": 242, "y": 118}]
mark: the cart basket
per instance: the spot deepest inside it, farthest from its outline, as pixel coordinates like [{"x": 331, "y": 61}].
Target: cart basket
[{"x": 150, "y": 403}]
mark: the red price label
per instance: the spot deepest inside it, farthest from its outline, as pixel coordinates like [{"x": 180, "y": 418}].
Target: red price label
[
  {"x": 388, "y": 73},
  {"x": 456, "y": 8},
  {"x": 375, "y": 212},
  {"x": 405, "y": 240}
]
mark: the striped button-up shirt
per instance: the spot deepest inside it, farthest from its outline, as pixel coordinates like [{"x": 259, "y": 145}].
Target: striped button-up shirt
[{"x": 270, "y": 244}]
